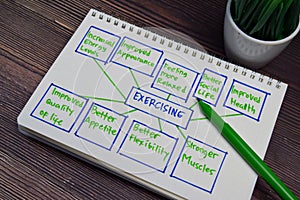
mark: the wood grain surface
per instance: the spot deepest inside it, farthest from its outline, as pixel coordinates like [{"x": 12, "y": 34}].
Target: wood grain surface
[{"x": 33, "y": 33}]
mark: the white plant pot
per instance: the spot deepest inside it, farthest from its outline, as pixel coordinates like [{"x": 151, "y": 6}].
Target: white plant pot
[{"x": 247, "y": 50}]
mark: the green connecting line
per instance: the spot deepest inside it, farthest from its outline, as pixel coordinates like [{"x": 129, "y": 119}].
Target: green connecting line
[
  {"x": 104, "y": 72},
  {"x": 159, "y": 123},
  {"x": 103, "y": 99},
  {"x": 197, "y": 102},
  {"x": 130, "y": 111},
  {"x": 168, "y": 97},
  {"x": 180, "y": 131},
  {"x": 137, "y": 84},
  {"x": 204, "y": 118}
]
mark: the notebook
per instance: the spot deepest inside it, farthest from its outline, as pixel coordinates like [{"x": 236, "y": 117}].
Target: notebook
[{"x": 125, "y": 99}]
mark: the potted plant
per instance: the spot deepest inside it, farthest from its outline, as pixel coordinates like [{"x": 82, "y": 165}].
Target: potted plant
[{"x": 256, "y": 31}]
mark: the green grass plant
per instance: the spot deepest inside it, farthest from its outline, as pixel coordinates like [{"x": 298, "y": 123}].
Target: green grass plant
[{"x": 266, "y": 19}]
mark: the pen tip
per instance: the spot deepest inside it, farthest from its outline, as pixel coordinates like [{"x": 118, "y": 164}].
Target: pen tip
[
  {"x": 206, "y": 109},
  {"x": 201, "y": 103}
]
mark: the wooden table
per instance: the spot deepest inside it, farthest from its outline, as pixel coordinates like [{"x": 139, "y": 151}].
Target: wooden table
[{"x": 32, "y": 35}]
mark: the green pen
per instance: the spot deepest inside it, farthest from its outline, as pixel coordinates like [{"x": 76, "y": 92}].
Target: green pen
[{"x": 246, "y": 152}]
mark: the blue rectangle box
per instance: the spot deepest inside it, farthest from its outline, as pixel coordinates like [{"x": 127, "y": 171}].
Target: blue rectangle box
[
  {"x": 185, "y": 98},
  {"x": 147, "y": 112},
  {"x": 222, "y": 87},
  {"x": 210, "y": 189},
  {"x": 95, "y": 142},
  {"x": 47, "y": 122},
  {"x": 98, "y": 38},
  {"x": 148, "y": 165},
  {"x": 160, "y": 52},
  {"x": 253, "y": 88}
]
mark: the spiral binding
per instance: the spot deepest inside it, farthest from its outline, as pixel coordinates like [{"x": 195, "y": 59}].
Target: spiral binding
[{"x": 194, "y": 53}]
